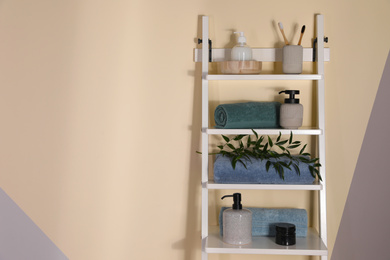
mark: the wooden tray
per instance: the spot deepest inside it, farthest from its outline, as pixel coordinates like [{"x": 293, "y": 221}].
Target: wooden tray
[{"x": 240, "y": 67}]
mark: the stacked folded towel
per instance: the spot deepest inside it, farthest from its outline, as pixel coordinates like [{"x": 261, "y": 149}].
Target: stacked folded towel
[
  {"x": 256, "y": 172},
  {"x": 265, "y": 219},
  {"x": 247, "y": 115}
]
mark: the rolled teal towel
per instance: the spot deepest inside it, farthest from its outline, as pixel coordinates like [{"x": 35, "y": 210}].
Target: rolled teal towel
[
  {"x": 265, "y": 219},
  {"x": 247, "y": 115},
  {"x": 256, "y": 173}
]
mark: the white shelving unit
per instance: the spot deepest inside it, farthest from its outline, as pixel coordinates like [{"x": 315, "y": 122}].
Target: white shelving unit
[
  {"x": 310, "y": 245},
  {"x": 265, "y": 77},
  {"x": 315, "y": 243},
  {"x": 211, "y": 185},
  {"x": 302, "y": 131}
]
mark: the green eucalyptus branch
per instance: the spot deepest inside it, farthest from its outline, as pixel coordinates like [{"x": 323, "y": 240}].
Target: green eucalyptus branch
[{"x": 263, "y": 148}]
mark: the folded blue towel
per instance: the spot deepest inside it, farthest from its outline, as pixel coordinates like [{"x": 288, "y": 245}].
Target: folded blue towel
[
  {"x": 265, "y": 219},
  {"x": 247, "y": 115},
  {"x": 256, "y": 172}
]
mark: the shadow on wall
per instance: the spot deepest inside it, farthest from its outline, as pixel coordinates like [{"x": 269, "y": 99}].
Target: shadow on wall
[{"x": 191, "y": 244}]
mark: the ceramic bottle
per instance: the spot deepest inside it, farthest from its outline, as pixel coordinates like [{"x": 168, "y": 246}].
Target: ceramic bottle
[
  {"x": 291, "y": 112},
  {"x": 237, "y": 223}
]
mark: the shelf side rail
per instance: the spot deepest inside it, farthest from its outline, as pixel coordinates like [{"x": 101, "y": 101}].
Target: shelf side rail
[
  {"x": 205, "y": 139},
  {"x": 321, "y": 125}
]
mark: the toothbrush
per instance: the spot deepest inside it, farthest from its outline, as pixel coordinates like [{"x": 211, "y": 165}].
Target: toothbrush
[
  {"x": 302, "y": 32},
  {"x": 282, "y": 31}
]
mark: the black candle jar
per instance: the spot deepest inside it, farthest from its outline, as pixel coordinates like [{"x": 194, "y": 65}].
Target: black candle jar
[{"x": 285, "y": 234}]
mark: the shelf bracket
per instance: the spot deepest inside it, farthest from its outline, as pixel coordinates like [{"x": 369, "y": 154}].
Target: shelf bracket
[
  {"x": 210, "y": 48},
  {"x": 314, "y": 46}
]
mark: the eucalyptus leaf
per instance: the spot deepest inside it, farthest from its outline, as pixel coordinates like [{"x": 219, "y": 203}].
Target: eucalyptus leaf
[
  {"x": 280, "y": 135},
  {"x": 234, "y": 162},
  {"x": 238, "y": 137},
  {"x": 257, "y": 136},
  {"x": 231, "y": 146},
  {"x": 303, "y": 148},
  {"x": 285, "y": 165},
  {"x": 240, "y": 161},
  {"x": 261, "y": 138},
  {"x": 297, "y": 169},
  {"x": 304, "y": 159},
  {"x": 225, "y": 138},
  {"x": 311, "y": 169},
  {"x": 224, "y": 153},
  {"x": 270, "y": 142},
  {"x": 247, "y": 156},
  {"x": 279, "y": 169},
  {"x": 273, "y": 154},
  {"x": 281, "y": 142},
  {"x": 267, "y": 165},
  {"x": 265, "y": 147},
  {"x": 319, "y": 176},
  {"x": 258, "y": 143}
]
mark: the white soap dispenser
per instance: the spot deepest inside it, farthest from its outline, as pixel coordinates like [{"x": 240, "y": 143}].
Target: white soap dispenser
[
  {"x": 237, "y": 223},
  {"x": 241, "y": 52}
]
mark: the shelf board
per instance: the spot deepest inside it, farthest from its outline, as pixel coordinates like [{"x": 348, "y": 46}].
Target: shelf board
[
  {"x": 220, "y": 186},
  {"x": 265, "y": 77},
  {"x": 310, "y": 245},
  {"x": 259, "y": 54},
  {"x": 301, "y": 131}
]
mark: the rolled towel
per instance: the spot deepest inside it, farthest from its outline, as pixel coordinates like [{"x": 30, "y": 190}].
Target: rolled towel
[
  {"x": 247, "y": 115},
  {"x": 256, "y": 172},
  {"x": 265, "y": 219}
]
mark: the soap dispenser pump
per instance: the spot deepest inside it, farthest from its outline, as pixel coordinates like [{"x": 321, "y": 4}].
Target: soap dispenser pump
[
  {"x": 291, "y": 112},
  {"x": 237, "y": 223},
  {"x": 241, "y": 52}
]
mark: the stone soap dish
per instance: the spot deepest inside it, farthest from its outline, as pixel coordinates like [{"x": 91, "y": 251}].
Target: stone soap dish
[{"x": 240, "y": 67}]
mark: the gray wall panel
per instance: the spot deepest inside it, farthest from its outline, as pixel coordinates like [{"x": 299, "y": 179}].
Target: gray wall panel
[
  {"x": 20, "y": 238},
  {"x": 364, "y": 231}
]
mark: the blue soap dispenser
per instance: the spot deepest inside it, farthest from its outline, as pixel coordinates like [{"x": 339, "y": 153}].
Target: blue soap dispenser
[{"x": 237, "y": 223}]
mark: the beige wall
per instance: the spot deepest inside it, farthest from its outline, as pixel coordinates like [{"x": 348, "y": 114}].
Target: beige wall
[{"x": 100, "y": 113}]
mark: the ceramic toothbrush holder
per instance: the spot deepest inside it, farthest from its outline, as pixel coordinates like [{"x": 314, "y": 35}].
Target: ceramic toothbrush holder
[{"x": 292, "y": 59}]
